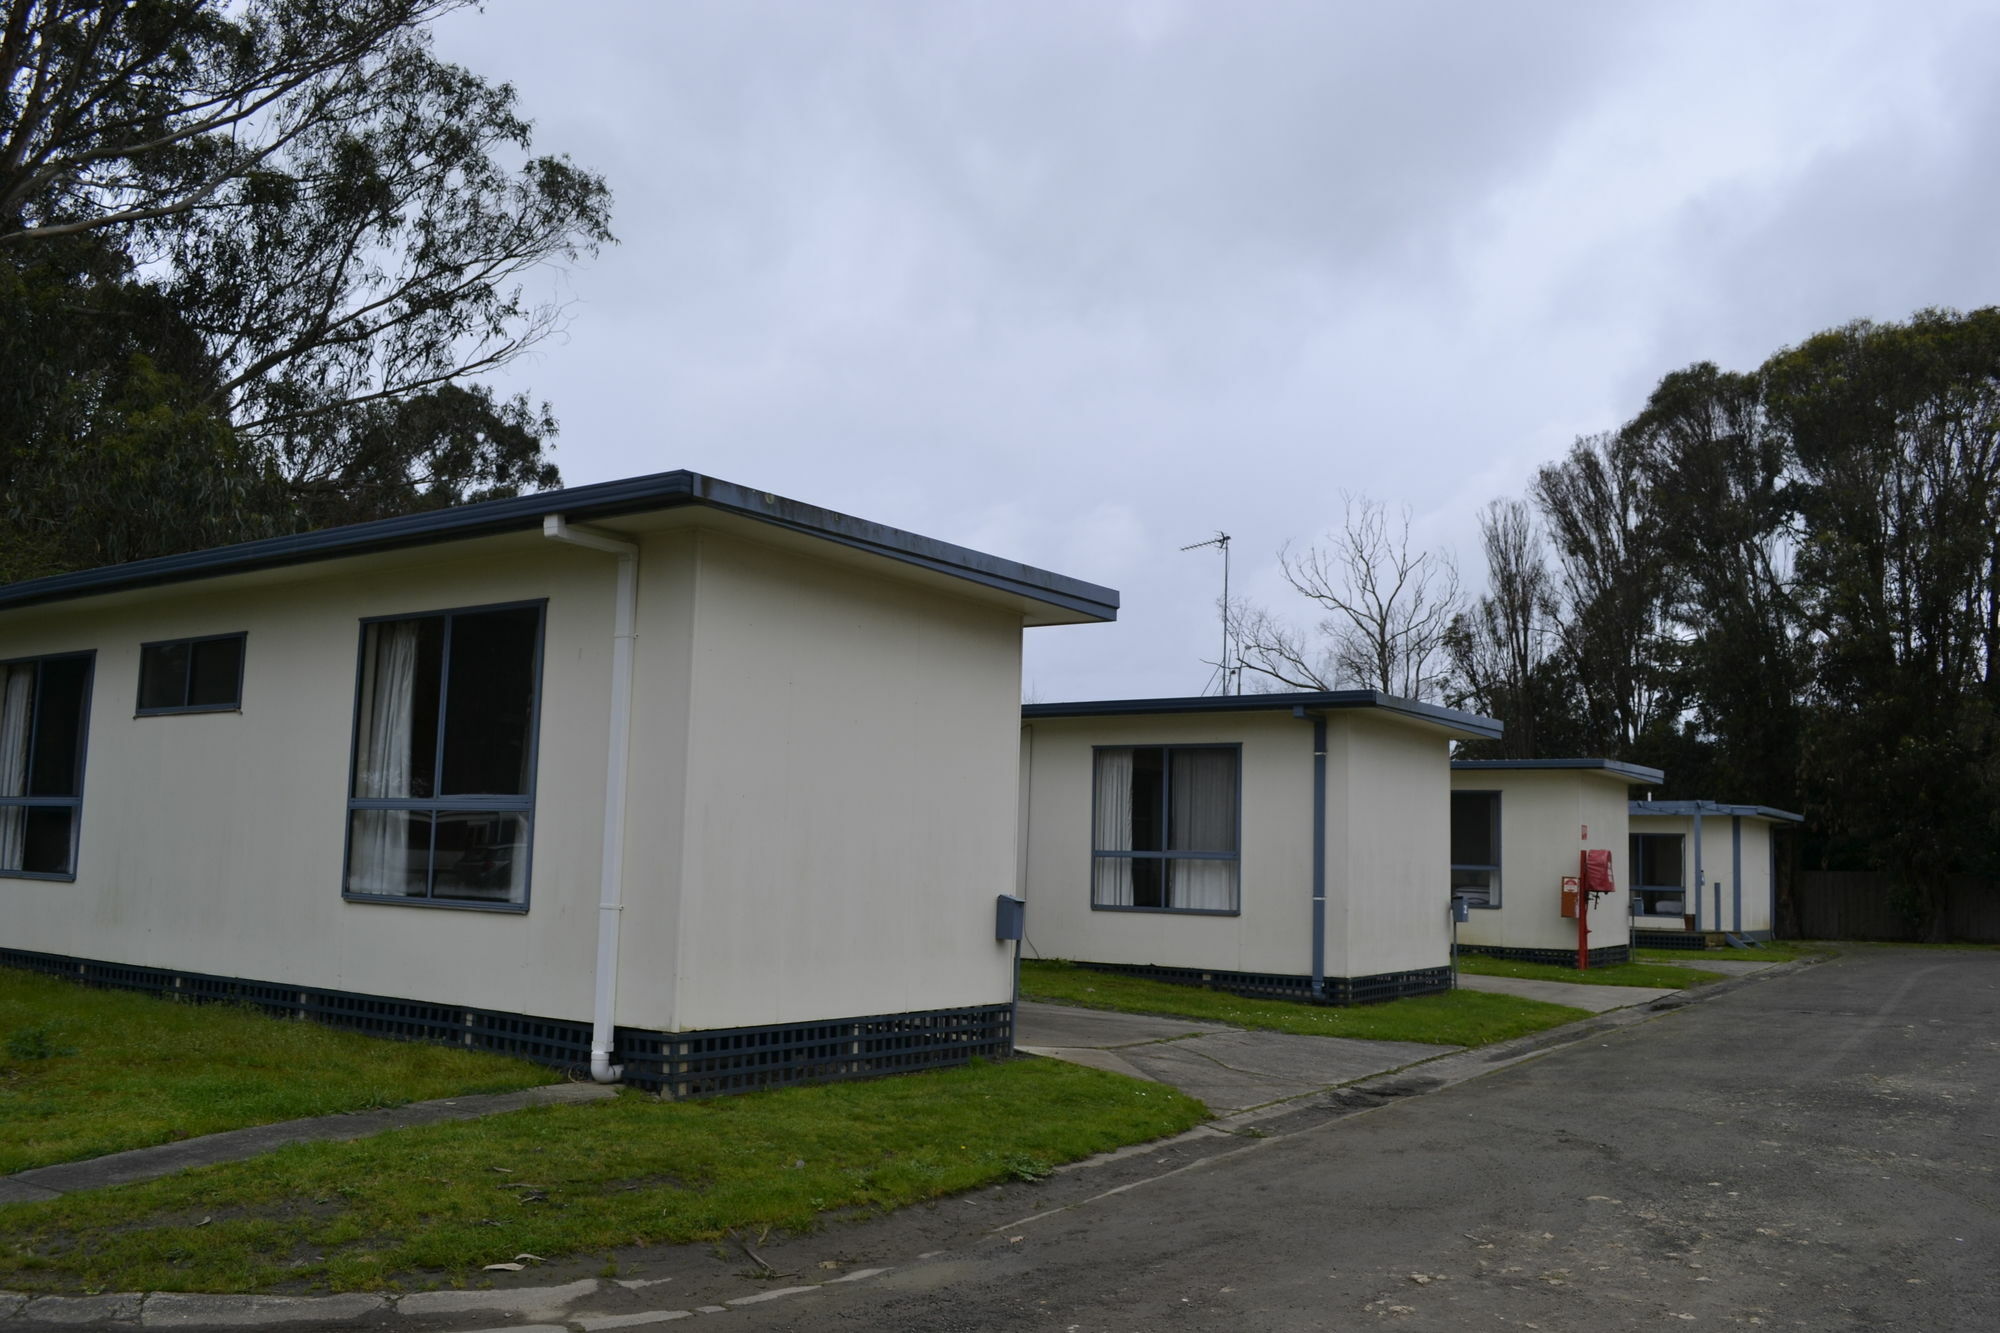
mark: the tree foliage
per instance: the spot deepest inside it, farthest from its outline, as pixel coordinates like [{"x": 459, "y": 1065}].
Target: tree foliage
[{"x": 249, "y": 253}]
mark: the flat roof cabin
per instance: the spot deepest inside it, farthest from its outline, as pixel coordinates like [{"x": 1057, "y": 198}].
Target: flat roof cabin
[
  {"x": 1518, "y": 827},
  {"x": 665, "y": 774},
  {"x": 1290, "y": 844}
]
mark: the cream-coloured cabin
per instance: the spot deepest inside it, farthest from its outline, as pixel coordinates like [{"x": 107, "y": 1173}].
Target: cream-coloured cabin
[
  {"x": 1284, "y": 843},
  {"x": 1701, "y": 867},
  {"x": 1518, "y": 827},
  {"x": 364, "y": 773}
]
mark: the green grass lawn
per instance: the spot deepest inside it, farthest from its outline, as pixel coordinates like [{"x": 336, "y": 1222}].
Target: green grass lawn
[
  {"x": 1617, "y": 974},
  {"x": 1770, "y": 951},
  {"x": 433, "y": 1204},
  {"x": 1459, "y": 1018},
  {"x": 85, "y": 1072}
]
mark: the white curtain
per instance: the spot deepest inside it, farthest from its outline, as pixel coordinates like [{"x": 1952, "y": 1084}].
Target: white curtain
[
  {"x": 1112, "y": 885},
  {"x": 378, "y": 861},
  {"x": 16, "y": 694},
  {"x": 1202, "y": 790}
]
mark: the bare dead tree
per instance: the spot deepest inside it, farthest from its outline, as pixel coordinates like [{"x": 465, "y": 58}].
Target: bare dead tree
[{"x": 1385, "y": 611}]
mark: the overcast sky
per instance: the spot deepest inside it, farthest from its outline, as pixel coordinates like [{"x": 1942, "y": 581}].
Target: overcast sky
[{"x": 1081, "y": 283}]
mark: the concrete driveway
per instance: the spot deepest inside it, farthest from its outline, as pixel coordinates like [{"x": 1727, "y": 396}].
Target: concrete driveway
[{"x": 1230, "y": 1069}]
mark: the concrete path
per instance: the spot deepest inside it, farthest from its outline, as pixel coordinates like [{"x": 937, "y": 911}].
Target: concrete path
[
  {"x": 46, "y": 1182},
  {"x": 1577, "y": 995},
  {"x": 1228, "y": 1068}
]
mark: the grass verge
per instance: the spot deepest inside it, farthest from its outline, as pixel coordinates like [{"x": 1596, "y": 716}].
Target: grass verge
[
  {"x": 1615, "y": 974},
  {"x": 85, "y": 1072},
  {"x": 1458, "y": 1018},
  {"x": 1766, "y": 952},
  {"x": 438, "y": 1202}
]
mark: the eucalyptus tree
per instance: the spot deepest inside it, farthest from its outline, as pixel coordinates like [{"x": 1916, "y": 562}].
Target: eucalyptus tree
[{"x": 313, "y": 227}]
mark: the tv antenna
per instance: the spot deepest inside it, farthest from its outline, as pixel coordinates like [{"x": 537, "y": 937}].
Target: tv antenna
[{"x": 1221, "y": 541}]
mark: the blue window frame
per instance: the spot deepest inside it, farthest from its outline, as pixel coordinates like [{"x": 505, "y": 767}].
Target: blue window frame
[
  {"x": 441, "y": 797},
  {"x": 1166, "y": 823},
  {"x": 1475, "y": 848},
  {"x": 202, "y": 675},
  {"x": 44, "y": 729},
  {"x": 1658, "y": 875}
]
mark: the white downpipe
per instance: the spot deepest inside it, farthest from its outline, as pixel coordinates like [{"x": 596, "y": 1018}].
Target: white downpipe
[{"x": 611, "y": 883}]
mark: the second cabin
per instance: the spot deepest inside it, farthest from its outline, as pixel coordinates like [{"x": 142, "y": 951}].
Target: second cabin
[{"x": 1518, "y": 828}]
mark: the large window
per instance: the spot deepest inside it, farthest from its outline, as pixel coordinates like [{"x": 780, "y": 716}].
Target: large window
[
  {"x": 44, "y": 709},
  {"x": 1475, "y": 848},
  {"x": 1166, "y": 828},
  {"x": 1657, "y": 875},
  {"x": 191, "y": 675},
  {"x": 442, "y": 806}
]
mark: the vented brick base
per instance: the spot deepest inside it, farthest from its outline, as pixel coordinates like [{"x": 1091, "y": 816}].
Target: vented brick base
[
  {"x": 1338, "y": 990},
  {"x": 676, "y": 1064},
  {"x": 1604, "y": 957}
]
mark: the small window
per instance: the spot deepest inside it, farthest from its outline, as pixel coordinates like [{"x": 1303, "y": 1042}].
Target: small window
[
  {"x": 442, "y": 803},
  {"x": 1166, "y": 828},
  {"x": 1475, "y": 848},
  {"x": 44, "y": 715},
  {"x": 191, "y": 675},
  {"x": 1657, "y": 875}
]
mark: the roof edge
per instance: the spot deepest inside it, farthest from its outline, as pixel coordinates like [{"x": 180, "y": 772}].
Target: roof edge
[
  {"x": 1613, "y": 767},
  {"x": 1769, "y": 812},
  {"x": 609, "y": 499},
  {"x": 1469, "y": 725}
]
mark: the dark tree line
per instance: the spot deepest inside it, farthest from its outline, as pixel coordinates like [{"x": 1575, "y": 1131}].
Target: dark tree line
[
  {"x": 250, "y": 253},
  {"x": 1780, "y": 586}
]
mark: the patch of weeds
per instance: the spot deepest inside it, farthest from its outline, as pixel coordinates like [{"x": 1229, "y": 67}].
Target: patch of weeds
[{"x": 40, "y": 1042}]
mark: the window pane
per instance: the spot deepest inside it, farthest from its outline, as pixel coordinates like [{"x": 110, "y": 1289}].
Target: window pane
[
  {"x": 396, "y": 732},
  {"x": 1472, "y": 821},
  {"x": 1658, "y": 859},
  {"x": 163, "y": 675},
  {"x": 1204, "y": 886},
  {"x": 482, "y": 857},
  {"x": 58, "y": 758},
  {"x": 45, "y": 848},
  {"x": 1474, "y": 886},
  {"x": 17, "y": 724},
  {"x": 1114, "y": 813},
  {"x": 1204, "y": 801},
  {"x": 1149, "y": 882},
  {"x": 388, "y": 852},
  {"x": 1148, "y": 792},
  {"x": 490, "y": 703},
  {"x": 1110, "y": 886},
  {"x": 217, "y": 673}
]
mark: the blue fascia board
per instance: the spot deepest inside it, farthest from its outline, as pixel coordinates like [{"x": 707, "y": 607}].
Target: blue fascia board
[
  {"x": 1685, "y": 808},
  {"x": 1615, "y": 767},
  {"x": 609, "y": 499},
  {"x": 1469, "y": 725}
]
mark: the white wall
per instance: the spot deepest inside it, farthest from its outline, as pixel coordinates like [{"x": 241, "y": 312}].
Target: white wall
[
  {"x": 213, "y": 842},
  {"x": 1389, "y": 871},
  {"x": 1543, "y": 817},
  {"x": 849, "y": 819},
  {"x": 1386, "y": 861},
  {"x": 1717, "y": 869}
]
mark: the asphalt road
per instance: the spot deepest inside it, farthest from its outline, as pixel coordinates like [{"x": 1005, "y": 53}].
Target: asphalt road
[{"x": 1813, "y": 1151}]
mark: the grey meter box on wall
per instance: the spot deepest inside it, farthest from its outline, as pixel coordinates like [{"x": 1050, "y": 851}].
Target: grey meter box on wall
[{"x": 1009, "y": 915}]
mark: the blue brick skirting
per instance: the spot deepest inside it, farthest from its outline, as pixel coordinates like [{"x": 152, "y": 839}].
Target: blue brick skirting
[
  {"x": 1604, "y": 957},
  {"x": 675, "y": 1064},
  {"x": 1669, "y": 939},
  {"x": 1337, "y": 990}
]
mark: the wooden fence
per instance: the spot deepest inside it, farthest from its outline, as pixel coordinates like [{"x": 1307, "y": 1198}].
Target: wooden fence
[{"x": 1860, "y": 905}]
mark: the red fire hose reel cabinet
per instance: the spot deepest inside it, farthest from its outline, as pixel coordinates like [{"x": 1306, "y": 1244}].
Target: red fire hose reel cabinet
[{"x": 1593, "y": 878}]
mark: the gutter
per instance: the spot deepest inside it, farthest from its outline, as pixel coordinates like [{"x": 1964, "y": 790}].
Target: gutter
[
  {"x": 611, "y": 878},
  {"x": 1319, "y": 849}
]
